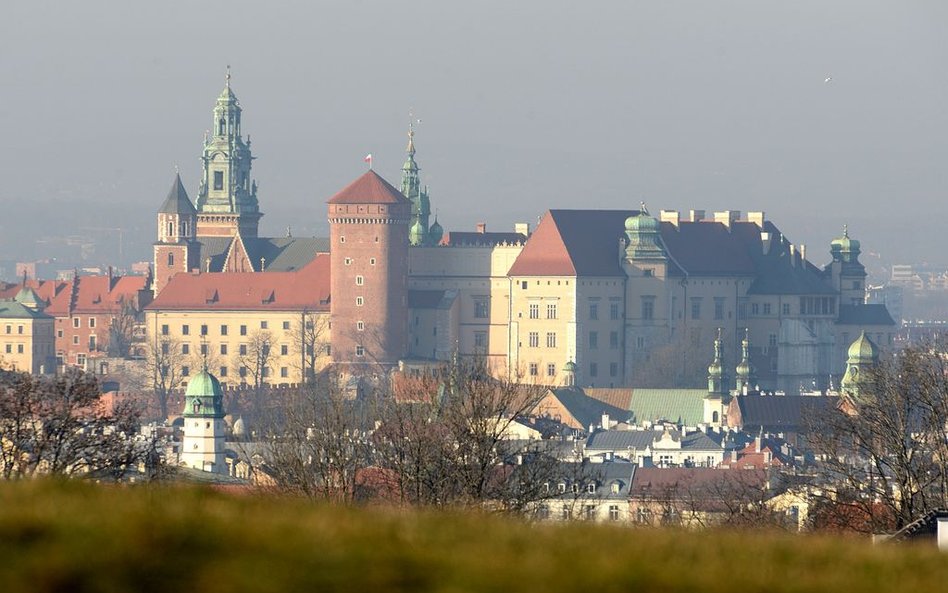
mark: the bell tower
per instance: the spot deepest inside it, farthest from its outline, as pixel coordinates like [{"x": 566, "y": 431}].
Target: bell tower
[
  {"x": 418, "y": 196},
  {"x": 176, "y": 249},
  {"x": 227, "y": 198}
]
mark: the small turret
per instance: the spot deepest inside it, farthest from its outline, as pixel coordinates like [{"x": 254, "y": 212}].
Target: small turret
[
  {"x": 863, "y": 354},
  {"x": 435, "y": 233},
  {"x": 203, "y": 445},
  {"x": 644, "y": 237},
  {"x": 745, "y": 372},
  {"x": 716, "y": 384}
]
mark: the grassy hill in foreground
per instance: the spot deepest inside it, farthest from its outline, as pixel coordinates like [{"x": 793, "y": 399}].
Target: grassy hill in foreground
[{"x": 80, "y": 537}]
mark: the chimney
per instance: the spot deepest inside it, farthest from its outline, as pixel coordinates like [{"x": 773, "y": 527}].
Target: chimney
[
  {"x": 696, "y": 215},
  {"x": 111, "y": 279},
  {"x": 802, "y": 254},
  {"x": 793, "y": 255},
  {"x": 481, "y": 227},
  {"x": 605, "y": 421},
  {"x": 757, "y": 218},
  {"x": 523, "y": 228},
  {"x": 671, "y": 216},
  {"x": 757, "y": 444},
  {"x": 263, "y": 264},
  {"x": 726, "y": 217}
]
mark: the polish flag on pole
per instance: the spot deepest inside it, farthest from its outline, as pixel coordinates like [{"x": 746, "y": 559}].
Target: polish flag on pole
[{"x": 368, "y": 159}]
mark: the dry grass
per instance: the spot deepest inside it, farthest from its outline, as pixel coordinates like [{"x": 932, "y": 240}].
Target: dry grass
[{"x": 79, "y": 537}]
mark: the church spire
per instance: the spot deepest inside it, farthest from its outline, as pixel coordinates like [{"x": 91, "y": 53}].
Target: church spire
[
  {"x": 716, "y": 369},
  {"x": 411, "y": 188},
  {"x": 227, "y": 194},
  {"x": 745, "y": 370}
]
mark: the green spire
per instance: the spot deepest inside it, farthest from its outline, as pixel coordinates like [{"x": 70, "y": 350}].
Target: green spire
[
  {"x": 644, "y": 236},
  {"x": 411, "y": 188},
  {"x": 863, "y": 355},
  {"x": 745, "y": 370},
  {"x": 716, "y": 369}
]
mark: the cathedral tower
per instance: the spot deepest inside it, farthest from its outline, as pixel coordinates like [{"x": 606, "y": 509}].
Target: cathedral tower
[
  {"x": 847, "y": 273},
  {"x": 176, "y": 249},
  {"x": 411, "y": 189},
  {"x": 227, "y": 198},
  {"x": 368, "y": 229}
]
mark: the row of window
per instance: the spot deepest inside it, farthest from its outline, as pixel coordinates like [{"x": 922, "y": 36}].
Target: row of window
[
  {"x": 534, "y": 310},
  {"x": 76, "y": 322},
  {"x": 613, "y": 340},
  {"x": 535, "y": 369},
  {"x": 242, "y": 372},
  {"x": 589, "y": 512},
  {"x": 224, "y": 329},
  {"x": 241, "y": 349},
  {"x": 613, "y": 369},
  {"x": 533, "y": 339},
  {"x": 348, "y": 261}
]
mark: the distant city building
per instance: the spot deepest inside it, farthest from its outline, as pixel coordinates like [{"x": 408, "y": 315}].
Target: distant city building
[{"x": 26, "y": 334}]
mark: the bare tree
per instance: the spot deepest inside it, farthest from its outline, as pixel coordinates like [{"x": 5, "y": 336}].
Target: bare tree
[
  {"x": 124, "y": 318},
  {"x": 445, "y": 437},
  {"x": 60, "y": 426},
  {"x": 318, "y": 440},
  {"x": 310, "y": 335},
  {"x": 164, "y": 364},
  {"x": 883, "y": 451}
]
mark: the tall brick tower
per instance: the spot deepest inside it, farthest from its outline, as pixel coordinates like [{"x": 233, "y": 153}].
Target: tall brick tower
[
  {"x": 368, "y": 228},
  {"x": 176, "y": 249}
]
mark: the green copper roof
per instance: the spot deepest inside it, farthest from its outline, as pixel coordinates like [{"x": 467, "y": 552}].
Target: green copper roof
[
  {"x": 204, "y": 396},
  {"x": 644, "y": 237},
  {"x": 863, "y": 350}
]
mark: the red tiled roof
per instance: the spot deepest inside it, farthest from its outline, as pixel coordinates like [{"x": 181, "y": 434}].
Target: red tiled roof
[
  {"x": 370, "y": 188},
  {"x": 45, "y": 289},
  {"x": 306, "y": 288},
  {"x": 88, "y": 294},
  {"x": 545, "y": 253}
]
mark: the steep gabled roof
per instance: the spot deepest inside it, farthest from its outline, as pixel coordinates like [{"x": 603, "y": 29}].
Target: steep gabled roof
[
  {"x": 97, "y": 294},
  {"x": 370, "y": 188},
  {"x": 584, "y": 409},
  {"x": 307, "y": 288},
  {"x": 782, "y": 411},
  {"x": 177, "y": 201}
]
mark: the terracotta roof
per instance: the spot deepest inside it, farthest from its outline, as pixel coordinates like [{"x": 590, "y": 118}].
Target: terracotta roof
[
  {"x": 306, "y": 288},
  {"x": 370, "y": 188},
  {"x": 45, "y": 289},
  {"x": 92, "y": 294}
]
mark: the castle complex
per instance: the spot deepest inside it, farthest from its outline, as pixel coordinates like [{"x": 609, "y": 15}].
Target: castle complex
[{"x": 602, "y": 298}]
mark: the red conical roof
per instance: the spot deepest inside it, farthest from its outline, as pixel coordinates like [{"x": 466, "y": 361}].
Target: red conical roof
[{"x": 370, "y": 188}]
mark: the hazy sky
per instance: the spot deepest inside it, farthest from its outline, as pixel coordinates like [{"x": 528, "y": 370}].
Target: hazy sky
[{"x": 526, "y": 105}]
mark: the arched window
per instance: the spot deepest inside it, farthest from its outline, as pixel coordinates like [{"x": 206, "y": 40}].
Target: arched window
[
  {"x": 714, "y": 416},
  {"x": 221, "y": 126},
  {"x": 170, "y": 259},
  {"x": 184, "y": 228},
  {"x": 170, "y": 229}
]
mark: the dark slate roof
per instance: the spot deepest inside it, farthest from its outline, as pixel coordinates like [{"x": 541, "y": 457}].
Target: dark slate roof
[
  {"x": 777, "y": 276},
  {"x": 459, "y": 238},
  {"x": 370, "y": 188},
  {"x": 177, "y": 201},
  {"x": 587, "y": 410},
  {"x": 282, "y": 254},
  {"x": 781, "y": 411},
  {"x": 875, "y": 314},
  {"x": 619, "y": 440},
  {"x": 604, "y": 475},
  {"x": 431, "y": 299},
  {"x": 708, "y": 248}
]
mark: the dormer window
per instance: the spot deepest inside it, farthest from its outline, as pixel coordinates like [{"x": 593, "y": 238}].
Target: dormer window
[
  {"x": 615, "y": 488},
  {"x": 562, "y": 487},
  {"x": 591, "y": 488}
]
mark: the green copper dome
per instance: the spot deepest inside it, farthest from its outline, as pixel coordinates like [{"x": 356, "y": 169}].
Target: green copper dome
[
  {"x": 644, "y": 237},
  {"x": 417, "y": 233},
  {"x": 435, "y": 233},
  {"x": 569, "y": 367},
  {"x": 845, "y": 249},
  {"x": 641, "y": 222},
  {"x": 863, "y": 350},
  {"x": 204, "y": 396}
]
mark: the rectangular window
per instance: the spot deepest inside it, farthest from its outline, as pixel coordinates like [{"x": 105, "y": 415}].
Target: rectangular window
[
  {"x": 648, "y": 307},
  {"x": 593, "y": 369},
  {"x": 534, "y": 370},
  {"x": 92, "y": 322},
  {"x": 360, "y": 351},
  {"x": 534, "y": 339},
  {"x": 551, "y": 370},
  {"x": 614, "y": 340},
  {"x": 480, "y": 339},
  {"x": 284, "y": 372},
  {"x": 613, "y": 512},
  {"x": 613, "y": 369},
  {"x": 242, "y": 372},
  {"x": 185, "y": 371},
  {"x": 19, "y": 347},
  {"x": 185, "y": 330},
  {"x": 218, "y": 180},
  {"x": 91, "y": 343},
  {"x": 203, "y": 329},
  {"x": 243, "y": 330},
  {"x": 9, "y": 329},
  {"x": 719, "y": 307},
  {"x": 481, "y": 308},
  {"x": 19, "y": 329},
  {"x": 360, "y": 280},
  {"x": 223, "y": 330},
  {"x": 593, "y": 340},
  {"x": 551, "y": 311},
  {"x": 286, "y": 325},
  {"x": 224, "y": 349},
  {"x": 9, "y": 348},
  {"x": 223, "y": 372},
  {"x": 766, "y": 308},
  {"x": 284, "y": 349},
  {"x": 613, "y": 310},
  {"x": 75, "y": 340},
  {"x": 594, "y": 310},
  {"x": 551, "y": 340},
  {"x": 76, "y": 322},
  {"x": 264, "y": 325},
  {"x": 359, "y": 301},
  {"x": 696, "y": 307},
  {"x": 534, "y": 310},
  {"x": 242, "y": 349},
  {"x": 772, "y": 341},
  {"x": 185, "y": 349},
  {"x": 360, "y": 325},
  {"x": 203, "y": 349},
  {"x": 165, "y": 348},
  {"x": 786, "y": 308},
  {"x": 59, "y": 333},
  {"x": 755, "y": 309}
]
